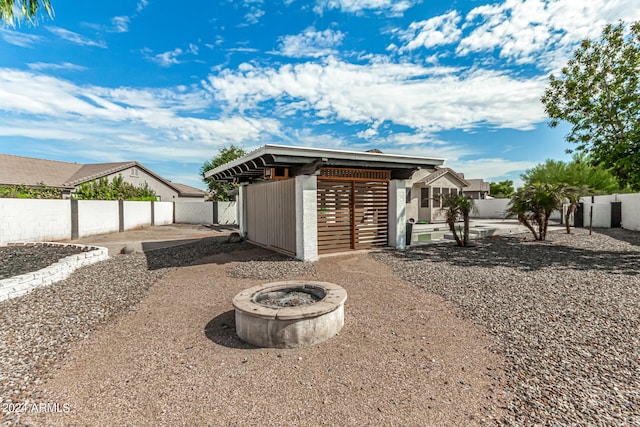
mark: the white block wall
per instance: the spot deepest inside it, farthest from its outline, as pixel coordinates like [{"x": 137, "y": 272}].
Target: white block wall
[
  {"x": 23, "y": 220},
  {"x": 227, "y": 213},
  {"x": 630, "y": 211},
  {"x": 601, "y": 215},
  {"x": 490, "y": 209},
  {"x": 96, "y": 217},
  {"x": 163, "y": 213},
  {"x": 194, "y": 213},
  {"x": 137, "y": 214}
]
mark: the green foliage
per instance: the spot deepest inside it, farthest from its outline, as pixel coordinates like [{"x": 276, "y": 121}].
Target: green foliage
[
  {"x": 534, "y": 204},
  {"x": 116, "y": 189},
  {"x": 456, "y": 208},
  {"x": 26, "y": 192},
  {"x": 580, "y": 172},
  {"x": 220, "y": 189},
  {"x": 16, "y": 10},
  {"x": 502, "y": 189},
  {"x": 598, "y": 93}
]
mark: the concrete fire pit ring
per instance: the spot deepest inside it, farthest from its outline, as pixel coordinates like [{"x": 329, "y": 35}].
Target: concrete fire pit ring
[{"x": 262, "y": 322}]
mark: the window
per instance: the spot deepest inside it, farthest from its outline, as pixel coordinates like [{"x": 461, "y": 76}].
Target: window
[
  {"x": 134, "y": 172},
  {"x": 454, "y": 192},
  {"x": 424, "y": 197},
  {"x": 436, "y": 197}
]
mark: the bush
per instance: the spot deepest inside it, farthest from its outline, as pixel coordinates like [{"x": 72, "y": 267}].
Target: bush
[
  {"x": 117, "y": 189},
  {"x": 25, "y": 192}
]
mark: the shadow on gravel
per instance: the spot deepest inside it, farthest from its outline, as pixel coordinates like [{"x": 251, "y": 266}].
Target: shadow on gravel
[
  {"x": 190, "y": 253},
  {"x": 620, "y": 234},
  {"x": 528, "y": 255},
  {"x": 222, "y": 330}
]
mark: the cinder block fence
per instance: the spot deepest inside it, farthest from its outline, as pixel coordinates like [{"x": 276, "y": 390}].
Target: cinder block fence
[{"x": 36, "y": 220}]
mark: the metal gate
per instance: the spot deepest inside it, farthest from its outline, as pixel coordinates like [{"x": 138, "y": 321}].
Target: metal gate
[{"x": 352, "y": 209}]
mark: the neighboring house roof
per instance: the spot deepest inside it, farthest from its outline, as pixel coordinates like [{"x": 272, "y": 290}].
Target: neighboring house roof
[
  {"x": 478, "y": 185},
  {"x": 307, "y": 160},
  {"x": 440, "y": 172},
  {"x": 19, "y": 170},
  {"x": 186, "y": 190}
]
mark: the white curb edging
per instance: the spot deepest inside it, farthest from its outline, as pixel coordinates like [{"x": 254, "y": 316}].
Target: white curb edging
[{"x": 19, "y": 285}]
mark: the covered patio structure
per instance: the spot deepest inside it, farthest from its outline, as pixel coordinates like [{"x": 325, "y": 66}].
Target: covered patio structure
[{"x": 307, "y": 202}]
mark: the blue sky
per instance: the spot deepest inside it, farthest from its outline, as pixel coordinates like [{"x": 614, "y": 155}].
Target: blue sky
[{"x": 168, "y": 84}]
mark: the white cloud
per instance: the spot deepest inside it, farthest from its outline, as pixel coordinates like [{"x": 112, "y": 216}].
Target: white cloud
[
  {"x": 489, "y": 169},
  {"x": 437, "y": 31},
  {"x": 166, "y": 116},
  {"x": 120, "y": 24},
  {"x": 38, "y": 66},
  {"x": 534, "y": 31},
  {"x": 171, "y": 57},
  {"x": 391, "y": 7},
  {"x": 310, "y": 43},
  {"x": 75, "y": 37},
  {"x": 428, "y": 99},
  {"x": 141, "y": 5},
  {"x": 17, "y": 38}
]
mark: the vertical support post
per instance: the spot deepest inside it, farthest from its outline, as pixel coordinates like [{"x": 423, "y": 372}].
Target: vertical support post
[
  {"x": 215, "y": 219},
  {"x": 306, "y": 199},
  {"x": 75, "y": 233},
  {"x": 352, "y": 209},
  {"x": 120, "y": 216},
  {"x": 153, "y": 213},
  {"x": 397, "y": 214},
  {"x": 242, "y": 219}
]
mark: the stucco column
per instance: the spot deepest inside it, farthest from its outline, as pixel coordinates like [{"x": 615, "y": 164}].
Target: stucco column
[
  {"x": 306, "y": 217},
  {"x": 397, "y": 214},
  {"x": 240, "y": 206}
]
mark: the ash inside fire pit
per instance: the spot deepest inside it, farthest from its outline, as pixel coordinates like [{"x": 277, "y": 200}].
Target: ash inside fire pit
[{"x": 291, "y": 297}]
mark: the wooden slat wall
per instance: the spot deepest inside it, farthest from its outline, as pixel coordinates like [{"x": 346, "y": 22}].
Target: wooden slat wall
[
  {"x": 271, "y": 214},
  {"x": 371, "y": 200},
  {"x": 352, "y": 214}
]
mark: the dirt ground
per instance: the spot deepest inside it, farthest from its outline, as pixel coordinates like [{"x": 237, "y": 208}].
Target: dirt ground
[{"x": 404, "y": 357}]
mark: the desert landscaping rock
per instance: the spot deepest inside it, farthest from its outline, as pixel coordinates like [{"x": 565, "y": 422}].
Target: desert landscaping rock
[
  {"x": 510, "y": 332},
  {"x": 17, "y": 260},
  {"x": 565, "y": 313}
]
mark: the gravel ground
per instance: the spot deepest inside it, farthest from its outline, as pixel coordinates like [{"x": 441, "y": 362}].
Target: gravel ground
[
  {"x": 404, "y": 357},
  {"x": 566, "y": 313},
  {"x": 39, "y": 328},
  {"x": 17, "y": 260}
]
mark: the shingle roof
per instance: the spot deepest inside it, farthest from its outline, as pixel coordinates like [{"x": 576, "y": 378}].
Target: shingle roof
[
  {"x": 477, "y": 185},
  {"x": 18, "y": 170},
  {"x": 442, "y": 172}
]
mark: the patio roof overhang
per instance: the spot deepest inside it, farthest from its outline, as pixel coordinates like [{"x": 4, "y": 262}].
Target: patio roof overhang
[{"x": 307, "y": 161}]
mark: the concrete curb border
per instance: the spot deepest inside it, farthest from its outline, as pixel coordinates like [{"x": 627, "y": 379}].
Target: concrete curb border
[{"x": 19, "y": 285}]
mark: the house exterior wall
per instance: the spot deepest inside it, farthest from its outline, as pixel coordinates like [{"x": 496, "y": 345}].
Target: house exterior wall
[
  {"x": 138, "y": 178},
  {"x": 414, "y": 208}
]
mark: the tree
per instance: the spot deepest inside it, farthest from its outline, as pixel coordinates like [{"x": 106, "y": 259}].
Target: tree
[
  {"x": 221, "y": 189},
  {"x": 533, "y": 206},
  {"x": 116, "y": 189},
  {"x": 456, "y": 208},
  {"x": 502, "y": 189},
  {"x": 598, "y": 93},
  {"x": 16, "y": 10},
  {"x": 573, "y": 194},
  {"x": 579, "y": 173}
]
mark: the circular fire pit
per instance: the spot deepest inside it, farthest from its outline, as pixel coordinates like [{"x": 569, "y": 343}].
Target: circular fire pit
[{"x": 289, "y": 314}]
